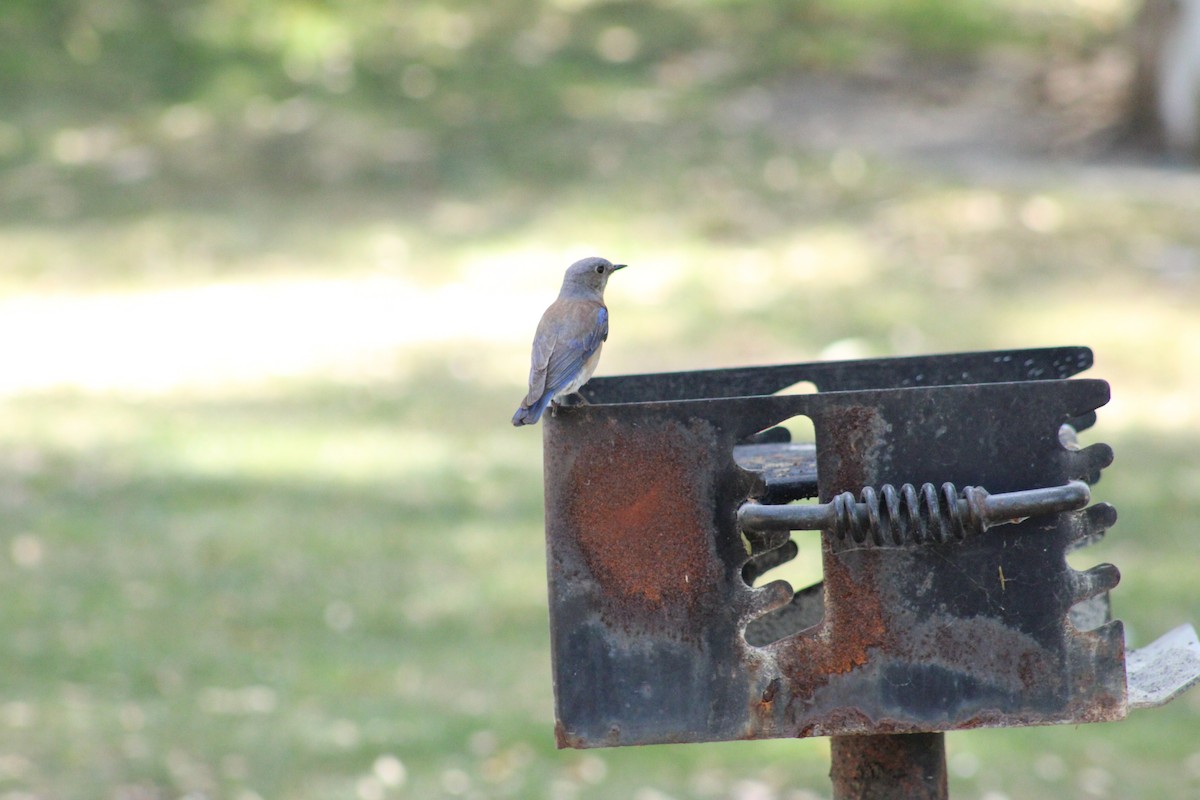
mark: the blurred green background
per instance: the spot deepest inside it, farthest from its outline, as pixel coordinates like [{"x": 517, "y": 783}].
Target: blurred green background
[{"x": 269, "y": 275}]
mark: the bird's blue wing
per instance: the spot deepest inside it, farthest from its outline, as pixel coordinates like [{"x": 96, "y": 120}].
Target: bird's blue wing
[{"x": 577, "y": 342}]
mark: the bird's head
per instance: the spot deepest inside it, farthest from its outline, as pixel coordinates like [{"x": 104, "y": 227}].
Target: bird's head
[{"x": 589, "y": 274}]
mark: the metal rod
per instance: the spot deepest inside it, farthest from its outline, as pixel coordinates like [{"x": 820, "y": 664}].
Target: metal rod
[
  {"x": 908, "y": 766},
  {"x": 908, "y": 514}
]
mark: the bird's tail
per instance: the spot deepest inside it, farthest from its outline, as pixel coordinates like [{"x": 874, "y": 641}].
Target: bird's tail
[
  {"x": 524, "y": 416},
  {"x": 529, "y": 415}
]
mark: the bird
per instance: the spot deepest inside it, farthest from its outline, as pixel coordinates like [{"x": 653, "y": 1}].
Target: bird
[{"x": 566, "y": 347}]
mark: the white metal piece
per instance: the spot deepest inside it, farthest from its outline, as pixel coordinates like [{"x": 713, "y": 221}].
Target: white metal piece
[{"x": 1164, "y": 669}]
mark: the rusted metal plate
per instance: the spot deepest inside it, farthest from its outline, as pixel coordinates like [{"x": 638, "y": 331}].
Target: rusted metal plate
[{"x": 650, "y": 608}]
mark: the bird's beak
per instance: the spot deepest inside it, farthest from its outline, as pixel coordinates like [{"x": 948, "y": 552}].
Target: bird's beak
[{"x": 616, "y": 267}]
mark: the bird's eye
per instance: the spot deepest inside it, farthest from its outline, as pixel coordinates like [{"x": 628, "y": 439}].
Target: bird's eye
[{"x": 599, "y": 269}]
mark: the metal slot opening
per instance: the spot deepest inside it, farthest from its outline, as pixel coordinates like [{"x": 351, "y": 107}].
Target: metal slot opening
[
  {"x": 802, "y": 569},
  {"x": 785, "y": 457}
]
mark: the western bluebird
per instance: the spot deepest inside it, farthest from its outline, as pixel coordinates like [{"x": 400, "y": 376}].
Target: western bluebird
[{"x": 566, "y": 347}]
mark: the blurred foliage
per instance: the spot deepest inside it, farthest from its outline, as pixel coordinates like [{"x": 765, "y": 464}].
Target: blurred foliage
[{"x": 153, "y": 100}]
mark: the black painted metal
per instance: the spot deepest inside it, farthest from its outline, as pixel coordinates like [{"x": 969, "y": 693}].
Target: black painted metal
[{"x": 949, "y": 369}]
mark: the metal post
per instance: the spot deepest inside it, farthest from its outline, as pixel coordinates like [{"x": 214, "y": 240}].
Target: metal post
[{"x": 889, "y": 767}]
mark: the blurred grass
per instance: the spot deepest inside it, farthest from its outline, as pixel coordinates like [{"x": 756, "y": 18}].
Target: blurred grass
[{"x": 332, "y": 585}]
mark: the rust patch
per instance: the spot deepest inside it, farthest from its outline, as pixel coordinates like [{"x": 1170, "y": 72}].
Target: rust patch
[
  {"x": 763, "y": 709},
  {"x": 838, "y": 720},
  {"x": 846, "y": 457},
  {"x": 856, "y": 623},
  {"x": 562, "y": 739},
  {"x": 641, "y": 510},
  {"x": 911, "y": 766},
  {"x": 858, "y": 620}
]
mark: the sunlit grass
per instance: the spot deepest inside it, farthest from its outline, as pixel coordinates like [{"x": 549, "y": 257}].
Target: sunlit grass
[{"x": 1020, "y": 265}]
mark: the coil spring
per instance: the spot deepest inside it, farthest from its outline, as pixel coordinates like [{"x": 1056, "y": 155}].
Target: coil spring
[{"x": 908, "y": 514}]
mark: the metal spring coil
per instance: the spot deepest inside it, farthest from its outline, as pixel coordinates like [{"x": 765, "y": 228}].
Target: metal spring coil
[{"x": 907, "y": 514}]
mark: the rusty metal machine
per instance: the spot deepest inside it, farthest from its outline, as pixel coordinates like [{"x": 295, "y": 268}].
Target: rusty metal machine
[{"x": 948, "y": 491}]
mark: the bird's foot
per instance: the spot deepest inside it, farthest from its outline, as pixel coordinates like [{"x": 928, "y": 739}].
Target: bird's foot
[{"x": 574, "y": 399}]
